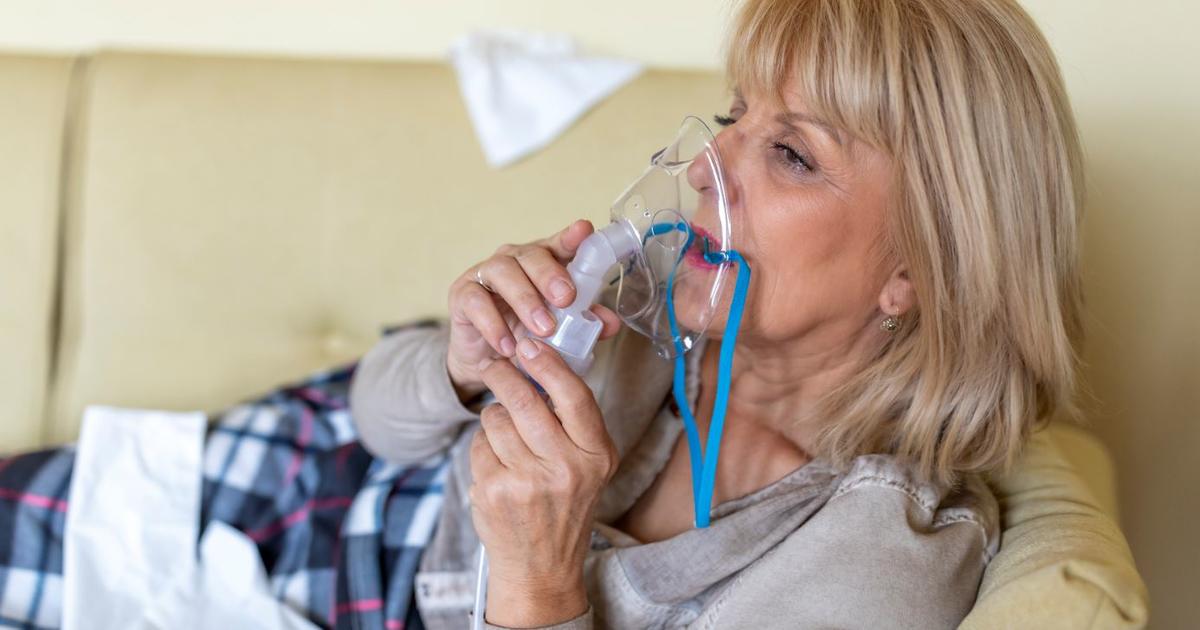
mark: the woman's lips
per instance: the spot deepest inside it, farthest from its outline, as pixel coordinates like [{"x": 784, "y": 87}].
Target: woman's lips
[{"x": 695, "y": 253}]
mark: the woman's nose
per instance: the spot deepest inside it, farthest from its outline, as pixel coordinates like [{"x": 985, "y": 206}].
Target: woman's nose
[{"x": 701, "y": 172}]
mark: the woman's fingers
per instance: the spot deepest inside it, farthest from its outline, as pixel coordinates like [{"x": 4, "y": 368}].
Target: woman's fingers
[
  {"x": 532, "y": 418},
  {"x": 506, "y": 297},
  {"x": 506, "y": 277},
  {"x": 564, "y": 244},
  {"x": 612, "y": 323},
  {"x": 502, "y": 435},
  {"x": 477, "y": 307},
  {"x": 525, "y": 278},
  {"x": 574, "y": 404},
  {"x": 484, "y": 461},
  {"x": 548, "y": 275}
]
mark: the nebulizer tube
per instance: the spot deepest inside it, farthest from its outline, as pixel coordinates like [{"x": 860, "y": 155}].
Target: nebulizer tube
[{"x": 670, "y": 234}]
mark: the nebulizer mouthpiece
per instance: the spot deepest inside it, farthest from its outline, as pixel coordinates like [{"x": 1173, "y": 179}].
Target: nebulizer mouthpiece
[
  {"x": 578, "y": 328},
  {"x": 669, "y": 254}
]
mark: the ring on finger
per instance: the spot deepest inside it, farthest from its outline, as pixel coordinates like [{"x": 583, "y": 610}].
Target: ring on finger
[{"x": 481, "y": 282}]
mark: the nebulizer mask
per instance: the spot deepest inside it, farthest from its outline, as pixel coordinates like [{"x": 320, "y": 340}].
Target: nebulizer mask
[{"x": 669, "y": 253}]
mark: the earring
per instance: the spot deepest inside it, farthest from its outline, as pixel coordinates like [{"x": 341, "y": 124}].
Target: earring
[{"x": 891, "y": 323}]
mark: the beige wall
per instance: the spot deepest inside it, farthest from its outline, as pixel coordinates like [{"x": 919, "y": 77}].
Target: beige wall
[
  {"x": 665, "y": 33},
  {"x": 1136, "y": 89},
  {"x": 1132, "y": 73}
]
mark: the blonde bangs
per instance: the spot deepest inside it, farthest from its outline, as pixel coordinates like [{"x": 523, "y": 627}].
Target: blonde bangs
[{"x": 827, "y": 52}]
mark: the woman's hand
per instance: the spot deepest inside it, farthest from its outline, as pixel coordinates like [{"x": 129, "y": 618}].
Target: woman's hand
[
  {"x": 485, "y": 325},
  {"x": 538, "y": 473}
]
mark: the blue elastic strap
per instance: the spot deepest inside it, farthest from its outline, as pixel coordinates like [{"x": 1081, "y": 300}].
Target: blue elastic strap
[
  {"x": 679, "y": 387},
  {"x": 663, "y": 228},
  {"x": 704, "y": 474},
  {"x": 679, "y": 390}
]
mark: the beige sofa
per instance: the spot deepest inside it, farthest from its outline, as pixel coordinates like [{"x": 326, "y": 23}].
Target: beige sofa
[{"x": 184, "y": 232}]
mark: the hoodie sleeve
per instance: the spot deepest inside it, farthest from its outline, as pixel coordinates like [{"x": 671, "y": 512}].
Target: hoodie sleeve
[{"x": 404, "y": 405}]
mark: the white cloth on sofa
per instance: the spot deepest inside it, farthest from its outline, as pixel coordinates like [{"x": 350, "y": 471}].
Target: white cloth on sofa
[{"x": 524, "y": 89}]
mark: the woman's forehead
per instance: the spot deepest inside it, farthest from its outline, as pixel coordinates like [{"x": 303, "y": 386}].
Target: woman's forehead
[{"x": 789, "y": 109}]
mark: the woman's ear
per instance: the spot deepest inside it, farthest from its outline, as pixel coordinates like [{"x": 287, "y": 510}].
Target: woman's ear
[{"x": 898, "y": 296}]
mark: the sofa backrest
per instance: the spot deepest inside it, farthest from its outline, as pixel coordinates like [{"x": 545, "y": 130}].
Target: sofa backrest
[
  {"x": 233, "y": 223},
  {"x": 32, "y": 122}
]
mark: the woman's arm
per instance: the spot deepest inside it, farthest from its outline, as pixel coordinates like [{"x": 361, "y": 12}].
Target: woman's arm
[{"x": 404, "y": 405}]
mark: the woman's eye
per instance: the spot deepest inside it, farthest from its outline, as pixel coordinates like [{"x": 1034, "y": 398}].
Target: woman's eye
[
  {"x": 792, "y": 157},
  {"x": 722, "y": 120}
]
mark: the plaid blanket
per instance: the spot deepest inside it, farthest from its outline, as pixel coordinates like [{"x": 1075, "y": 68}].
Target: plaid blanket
[{"x": 340, "y": 533}]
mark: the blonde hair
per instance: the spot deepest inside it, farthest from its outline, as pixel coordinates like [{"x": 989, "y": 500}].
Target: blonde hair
[{"x": 967, "y": 99}]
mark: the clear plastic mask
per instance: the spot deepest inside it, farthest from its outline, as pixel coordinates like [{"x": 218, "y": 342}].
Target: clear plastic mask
[{"x": 679, "y": 211}]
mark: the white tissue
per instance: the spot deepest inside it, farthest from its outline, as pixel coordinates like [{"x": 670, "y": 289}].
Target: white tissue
[
  {"x": 132, "y": 513},
  {"x": 228, "y": 590},
  {"x": 524, "y": 89},
  {"x": 130, "y": 558}
]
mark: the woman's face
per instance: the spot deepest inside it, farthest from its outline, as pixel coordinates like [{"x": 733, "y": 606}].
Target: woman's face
[{"x": 807, "y": 206}]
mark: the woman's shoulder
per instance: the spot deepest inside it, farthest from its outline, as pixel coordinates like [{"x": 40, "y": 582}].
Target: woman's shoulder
[
  {"x": 886, "y": 550},
  {"x": 927, "y": 506}
]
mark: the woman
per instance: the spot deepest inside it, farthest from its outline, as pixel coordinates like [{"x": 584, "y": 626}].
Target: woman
[{"x": 904, "y": 178}]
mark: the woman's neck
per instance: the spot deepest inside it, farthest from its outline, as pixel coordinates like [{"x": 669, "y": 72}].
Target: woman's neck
[{"x": 778, "y": 385}]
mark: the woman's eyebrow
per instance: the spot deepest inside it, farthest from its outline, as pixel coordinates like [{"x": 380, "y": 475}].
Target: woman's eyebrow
[{"x": 790, "y": 118}]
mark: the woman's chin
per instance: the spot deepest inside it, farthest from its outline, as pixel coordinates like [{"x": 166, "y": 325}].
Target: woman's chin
[
  {"x": 694, "y": 309},
  {"x": 694, "y": 314}
]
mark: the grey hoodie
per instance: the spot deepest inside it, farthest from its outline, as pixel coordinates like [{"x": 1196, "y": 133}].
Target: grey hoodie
[{"x": 870, "y": 546}]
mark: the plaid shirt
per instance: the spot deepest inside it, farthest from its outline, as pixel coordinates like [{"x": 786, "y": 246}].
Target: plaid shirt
[{"x": 340, "y": 533}]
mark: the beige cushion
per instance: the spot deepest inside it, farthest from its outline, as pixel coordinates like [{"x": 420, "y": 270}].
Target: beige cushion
[
  {"x": 32, "y": 114},
  {"x": 242, "y": 222},
  {"x": 1063, "y": 562}
]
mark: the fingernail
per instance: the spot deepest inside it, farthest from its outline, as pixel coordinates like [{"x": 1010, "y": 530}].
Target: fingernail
[
  {"x": 483, "y": 365},
  {"x": 559, "y": 289},
  {"x": 528, "y": 348},
  {"x": 544, "y": 321},
  {"x": 507, "y": 345}
]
